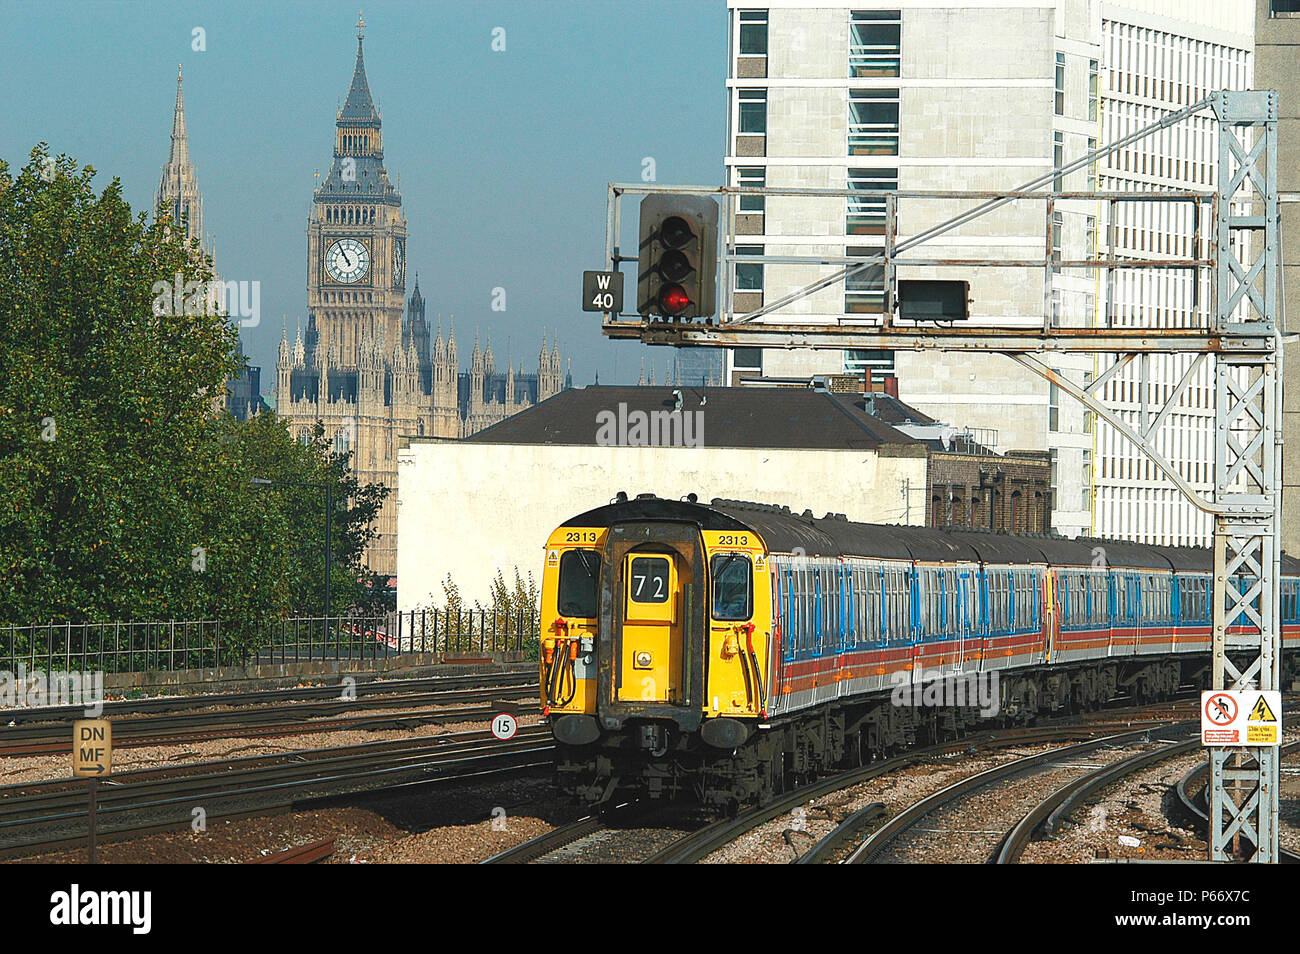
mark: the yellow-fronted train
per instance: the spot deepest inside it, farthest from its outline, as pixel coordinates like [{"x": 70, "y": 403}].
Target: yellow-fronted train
[{"x": 730, "y": 650}]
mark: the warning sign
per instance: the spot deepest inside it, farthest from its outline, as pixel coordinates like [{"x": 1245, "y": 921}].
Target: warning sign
[{"x": 1245, "y": 717}]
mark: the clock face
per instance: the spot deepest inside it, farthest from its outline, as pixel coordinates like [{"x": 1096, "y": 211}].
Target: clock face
[
  {"x": 347, "y": 261},
  {"x": 399, "y": 261}
]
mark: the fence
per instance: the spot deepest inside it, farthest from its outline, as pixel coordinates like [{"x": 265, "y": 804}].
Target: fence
[{"x": 195, "y": 644}]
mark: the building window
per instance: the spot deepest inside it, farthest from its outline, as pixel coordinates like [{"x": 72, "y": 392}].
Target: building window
[
  {"x": 873, "y": 122},
  {"x": 857, "y": 360},
  {"x": 875, "y": 43},
  {"x": 1055, "y": 467},
  {"x": 1058, "y": 226},
  {"x": 747, "y": 359},
  {"x": 1058, "y": 159},
  {"x": 1085, "y": 502},
  {"x": 866, "y": 213},
  {"x": 749, "y": 275},
  {"x": 753, "y": 111},
  {"x": 1090, "y": 238},
  {"x": 1094, "y": 89},
  {"x": 1060, "y": 84},
  {"x": 753, "y": 33},
  {"x": 1283, "y": 8},
  {"x": 1053, "y": 415},
  {"x": 753, "y": 177},
  {"x": 864, "y": 290},
  {"x": 1092, "y": 167}
]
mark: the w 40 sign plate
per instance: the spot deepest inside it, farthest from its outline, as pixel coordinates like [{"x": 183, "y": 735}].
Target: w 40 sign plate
[
  {"x": 1245, "y": 717},
  {"x": 602, "y": 291}
]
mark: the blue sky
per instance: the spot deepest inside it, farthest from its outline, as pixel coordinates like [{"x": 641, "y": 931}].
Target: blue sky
[{"x": 503, "y": 157}]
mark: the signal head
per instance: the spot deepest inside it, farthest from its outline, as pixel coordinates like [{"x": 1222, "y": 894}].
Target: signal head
[
  {"x": 675, "y": 232},
  {"x": 674, "y": 300},
  {"x": 674, "y": 266}
]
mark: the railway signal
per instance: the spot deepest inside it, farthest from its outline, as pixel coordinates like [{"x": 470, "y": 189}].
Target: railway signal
[
  {"x": 678, "y": 258},
  {"x": 933, "y": 300}
]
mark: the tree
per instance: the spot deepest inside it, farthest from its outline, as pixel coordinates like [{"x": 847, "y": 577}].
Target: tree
[{"x": 123, "y": 494}]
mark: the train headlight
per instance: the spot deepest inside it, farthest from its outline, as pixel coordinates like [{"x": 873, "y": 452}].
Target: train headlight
[{"x": 642, "y": 659}]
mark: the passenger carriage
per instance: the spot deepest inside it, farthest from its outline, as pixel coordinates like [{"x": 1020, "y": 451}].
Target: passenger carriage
[{"x": 730, "y": 648}]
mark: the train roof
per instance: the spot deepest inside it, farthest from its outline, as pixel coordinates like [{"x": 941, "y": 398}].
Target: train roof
[
  {"x": 833, "y": 535},
  {"x": 648, "y": 507}
]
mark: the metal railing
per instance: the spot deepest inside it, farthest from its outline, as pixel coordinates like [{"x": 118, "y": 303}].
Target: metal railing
[{"x": 142, "y": 646}]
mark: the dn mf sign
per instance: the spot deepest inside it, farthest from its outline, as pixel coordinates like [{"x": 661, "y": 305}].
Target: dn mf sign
[{"x": 92, "y": 748}]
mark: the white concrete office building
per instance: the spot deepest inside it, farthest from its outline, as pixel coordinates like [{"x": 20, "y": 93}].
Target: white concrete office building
[{"x": 982, "y": 95}]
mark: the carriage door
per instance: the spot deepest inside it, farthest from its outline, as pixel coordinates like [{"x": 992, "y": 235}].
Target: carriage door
[
  {"x": 1054, "y": 592},
  {"x": 652, "y": 628}
]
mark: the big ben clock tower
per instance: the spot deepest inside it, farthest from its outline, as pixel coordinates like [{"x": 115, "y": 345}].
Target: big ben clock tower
[
  {"x": 368, "y": 376},
  {"x": 356, "y": 236},
  {"x": 357, "y": 371}
]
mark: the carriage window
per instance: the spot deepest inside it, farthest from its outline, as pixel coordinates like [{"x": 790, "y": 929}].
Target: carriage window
[
  {"x": 732, "y": 586},
  {"x": 649, "y": 580},
  {"x": 579, "y": 583}
]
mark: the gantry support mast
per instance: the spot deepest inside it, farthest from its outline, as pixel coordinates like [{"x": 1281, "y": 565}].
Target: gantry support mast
[{"x": 1240, "y": 338}]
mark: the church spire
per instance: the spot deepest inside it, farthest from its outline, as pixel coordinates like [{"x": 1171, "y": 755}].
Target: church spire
[
  {"x": 178, "y": 190},
  {"x": 180, "y": 152}
]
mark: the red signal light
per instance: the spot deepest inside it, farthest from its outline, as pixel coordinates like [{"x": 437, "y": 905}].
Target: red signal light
[{"x": 674, "y": 299}]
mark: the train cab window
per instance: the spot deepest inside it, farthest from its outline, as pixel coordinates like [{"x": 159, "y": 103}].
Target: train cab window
[
  {"x": 649, "y": 580},
  {"x": 579, "y": 583},
  {"x": 732, "y": 586}
]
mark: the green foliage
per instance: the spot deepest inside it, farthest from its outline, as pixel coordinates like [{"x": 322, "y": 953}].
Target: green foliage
[
  {"x": 123, "y": 494},
  {"x": 511, "y": 608}
]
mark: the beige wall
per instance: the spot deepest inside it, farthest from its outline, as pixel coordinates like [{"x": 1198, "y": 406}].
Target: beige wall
[{"x": 467, "y": 509}]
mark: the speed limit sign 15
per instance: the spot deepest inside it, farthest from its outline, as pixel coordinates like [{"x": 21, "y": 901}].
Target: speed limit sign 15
[{"x": 504, "y": 726}]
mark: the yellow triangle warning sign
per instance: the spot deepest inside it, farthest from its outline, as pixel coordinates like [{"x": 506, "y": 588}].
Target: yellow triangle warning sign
[{"x": 1261, "y": 712}]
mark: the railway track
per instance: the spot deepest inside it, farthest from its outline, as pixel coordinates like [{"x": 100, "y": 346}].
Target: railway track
[
  {"x": 1047, "y": 816},
  {"x": 42, "y": 736},
  {"x": 632, "y": 829},
  {"x": 42, "y": 816},
  {"x": 371, "y": 687},
  {"x": 550, "y": 841},
  {"x": 1190, "y": 792},
  {"x": 698, "y": 844},
  {"x": 885, "y": 837},
  {"x": 310, "y": 854}
]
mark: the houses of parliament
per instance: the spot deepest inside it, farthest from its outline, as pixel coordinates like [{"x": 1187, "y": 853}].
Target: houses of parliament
[{"x": 365, "y": 366}]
